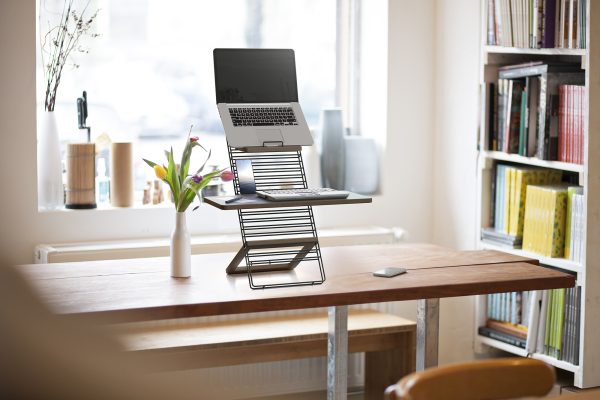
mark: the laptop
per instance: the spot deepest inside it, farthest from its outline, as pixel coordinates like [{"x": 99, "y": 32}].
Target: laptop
[
  {"x": 257, "y": 98},
  {"x": 247, "y": 185}
]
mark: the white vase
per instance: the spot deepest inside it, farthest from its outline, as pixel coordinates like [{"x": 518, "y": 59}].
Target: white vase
[
  {"x": 49, "y": 167},
  {"x": 332, "y": 149},
  {"x": 181, "y": 251}
]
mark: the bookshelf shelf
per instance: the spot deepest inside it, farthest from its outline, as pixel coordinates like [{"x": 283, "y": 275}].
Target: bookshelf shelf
[
  {"x": 523, "y": 353},
  {"x": 561, "y": 263},
  {"x": 515, "y": 158},
  {"x": 502, "y": 346},
  {"x": 557, "y": 363},
  {"x": 545, "y": 52},
  {"x": 495, "y": 114}
]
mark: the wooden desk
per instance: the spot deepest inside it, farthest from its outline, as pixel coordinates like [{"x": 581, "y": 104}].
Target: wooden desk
[{"x": 141, "y": 289}]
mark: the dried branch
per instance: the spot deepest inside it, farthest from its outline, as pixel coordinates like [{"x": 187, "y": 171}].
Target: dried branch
[{"x": 59, "y": 42}]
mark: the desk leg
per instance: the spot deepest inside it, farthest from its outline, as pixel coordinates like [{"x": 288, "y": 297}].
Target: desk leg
[
  {"x": 337, "y": 353},
  {"x": 428, "y": 319}
]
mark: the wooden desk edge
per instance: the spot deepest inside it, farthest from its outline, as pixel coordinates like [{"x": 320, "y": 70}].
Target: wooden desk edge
[{"x": 323, "y": 300}]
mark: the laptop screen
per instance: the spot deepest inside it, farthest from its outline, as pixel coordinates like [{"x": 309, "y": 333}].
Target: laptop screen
[{"x": 255, "y": 76}]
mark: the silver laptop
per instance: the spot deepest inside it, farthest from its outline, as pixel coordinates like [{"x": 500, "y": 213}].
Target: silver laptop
[{"x": 257, "y": 98}]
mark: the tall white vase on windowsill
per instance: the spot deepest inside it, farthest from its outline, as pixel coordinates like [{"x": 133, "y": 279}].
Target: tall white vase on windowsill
[
  {"x": 181, "y": 251},
  {"x": 49, "y": 167}
]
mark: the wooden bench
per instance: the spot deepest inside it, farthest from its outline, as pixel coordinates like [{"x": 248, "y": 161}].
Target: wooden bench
[{"x": 388, "y": 342}]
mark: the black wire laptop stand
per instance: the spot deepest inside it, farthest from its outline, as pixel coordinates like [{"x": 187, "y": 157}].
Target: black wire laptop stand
[{"x": 275, "y": 239}]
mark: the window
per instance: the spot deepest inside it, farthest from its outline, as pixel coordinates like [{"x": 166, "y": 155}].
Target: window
[{"x": 149, "y": 75}]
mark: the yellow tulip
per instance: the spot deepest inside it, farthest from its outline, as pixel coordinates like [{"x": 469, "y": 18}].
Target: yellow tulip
[{"x": 161, "y": 172}]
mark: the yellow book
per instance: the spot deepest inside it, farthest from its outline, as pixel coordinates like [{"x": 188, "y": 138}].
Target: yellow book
[
  {"x": 531, "y": 211},
  {"x": 517, "y": 177},
  {"x": 553, "y": 205},
  {"x": 546, "y": 244},
  {"x": 559, "y": 220},
  {"x": 522, "y": 178}
]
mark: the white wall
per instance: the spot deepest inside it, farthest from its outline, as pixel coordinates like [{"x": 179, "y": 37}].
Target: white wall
[{"x": 457, "y": 40}]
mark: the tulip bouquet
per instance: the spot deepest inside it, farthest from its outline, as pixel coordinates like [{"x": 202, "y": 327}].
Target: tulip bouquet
[{"x": 184, "y": 186}]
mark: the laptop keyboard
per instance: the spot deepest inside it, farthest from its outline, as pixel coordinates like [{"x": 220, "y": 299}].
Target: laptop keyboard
[
  {"x": 262, "y": 116},
  {"x": 315, "y": 191}
]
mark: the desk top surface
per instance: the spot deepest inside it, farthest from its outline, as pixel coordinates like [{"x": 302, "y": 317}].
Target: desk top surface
[{"x": 141, "y": 289}]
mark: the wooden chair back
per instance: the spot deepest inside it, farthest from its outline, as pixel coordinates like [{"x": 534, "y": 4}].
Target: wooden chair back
[{"x": 506, "y": 378}]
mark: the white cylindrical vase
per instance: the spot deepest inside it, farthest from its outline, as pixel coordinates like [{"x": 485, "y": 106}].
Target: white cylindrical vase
[
  {"x": 181, "y": 250},
  {"x": 49, "y": 165}
]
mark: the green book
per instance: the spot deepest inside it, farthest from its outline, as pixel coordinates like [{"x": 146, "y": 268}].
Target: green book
[
  {"x": 548, "y": 322},
  {"x": 560, "y": 321}
]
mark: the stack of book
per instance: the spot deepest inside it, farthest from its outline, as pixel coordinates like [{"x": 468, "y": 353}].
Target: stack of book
[
  {"x": 571, "y": 123},
  {"x": 544, "y": 322},
  {"x": 508, "y": 316},
  {"x": 574, "y": 240},
  {"x": 537, "y": 23},
  {"x": 545, "y": 220},
  {"x": 532, "y": 210},
  {"x": 510, "y": 186},
  {"x": 523, "y": 108}
]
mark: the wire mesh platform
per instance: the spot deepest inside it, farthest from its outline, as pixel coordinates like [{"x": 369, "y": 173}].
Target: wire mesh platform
[{"x": 275, "y": 239}]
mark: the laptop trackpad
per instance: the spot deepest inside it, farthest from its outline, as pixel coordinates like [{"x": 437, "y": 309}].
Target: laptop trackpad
[{"x": 269, "y": 137}]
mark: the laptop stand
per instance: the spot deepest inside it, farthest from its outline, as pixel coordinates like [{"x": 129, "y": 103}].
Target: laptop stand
[{"x": 275, "y": 239}]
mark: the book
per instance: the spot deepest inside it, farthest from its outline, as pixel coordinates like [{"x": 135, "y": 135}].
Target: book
[
  {"x": 508, "y": 328},
  {"x": 493, "y": 236},
  {"x": 570, "y": 223},
  {"x": 544, "y": 222},
  {"x": 532, "y": 318},
  {"x": 503, "y": 337},
  {"x": 509, "y": 200},
  {"x": 547, "y": 142},
  {"x": 571, "y": 117},
  {"x": 536, "y": 23},
  {"x": 528, "y": 107}
]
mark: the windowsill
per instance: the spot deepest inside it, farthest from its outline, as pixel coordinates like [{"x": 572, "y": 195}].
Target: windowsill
[
  {"x": 109, "y": 208},
  {"x": 140, "y": 207}
]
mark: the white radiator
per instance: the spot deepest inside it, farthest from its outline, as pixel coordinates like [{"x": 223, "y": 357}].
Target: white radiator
[
  {"x": 142, "y": 248},
  {"x": 254, "y": 380}
]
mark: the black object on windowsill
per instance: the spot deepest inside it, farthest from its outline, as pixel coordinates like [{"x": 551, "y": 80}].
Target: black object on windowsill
[{"x": 82, "y": 114}]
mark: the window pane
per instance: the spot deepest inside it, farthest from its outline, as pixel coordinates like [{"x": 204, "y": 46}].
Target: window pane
[{"x": 149, "y": 76}]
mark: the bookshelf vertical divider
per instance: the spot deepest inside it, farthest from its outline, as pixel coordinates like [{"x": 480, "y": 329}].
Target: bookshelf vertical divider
[{"x": 587, "y": 373}]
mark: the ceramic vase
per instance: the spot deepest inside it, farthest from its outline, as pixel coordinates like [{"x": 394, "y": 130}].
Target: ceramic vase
[
  {"x": 181, "y": 251},
  {"x": 332, "y": 148},
  {"x": 49, "y": 167}
]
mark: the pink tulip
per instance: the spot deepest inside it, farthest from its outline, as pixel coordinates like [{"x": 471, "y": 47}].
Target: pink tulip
[{"x": 227, "y": 176}]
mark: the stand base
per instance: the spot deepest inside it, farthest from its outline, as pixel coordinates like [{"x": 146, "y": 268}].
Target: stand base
[{"x": 284, "y": 260}]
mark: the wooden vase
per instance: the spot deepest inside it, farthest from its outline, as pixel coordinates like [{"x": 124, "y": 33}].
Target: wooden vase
[
  {"x": 121, "y": 175},
  {"x": 81, "y": 176}
]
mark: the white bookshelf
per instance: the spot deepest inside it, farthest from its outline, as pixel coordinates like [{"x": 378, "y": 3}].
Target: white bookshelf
[
  {"x": 515, "y": 158},
  {"x": 587, "y": 373},
  {"x": 546, "y": 52},
  {"x": 562, "y": 263}
]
